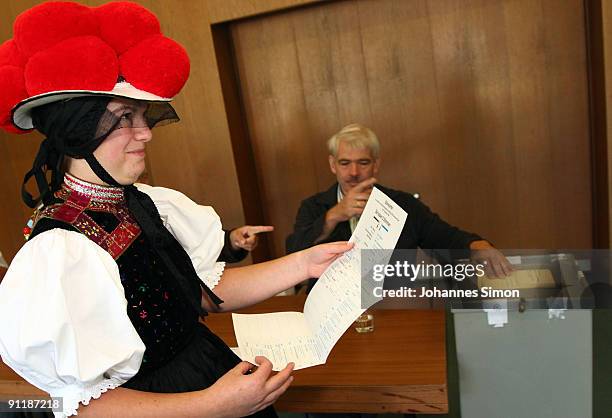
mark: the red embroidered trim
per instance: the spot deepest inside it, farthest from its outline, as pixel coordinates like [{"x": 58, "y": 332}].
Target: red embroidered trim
[{"x": 72, "y": 211}]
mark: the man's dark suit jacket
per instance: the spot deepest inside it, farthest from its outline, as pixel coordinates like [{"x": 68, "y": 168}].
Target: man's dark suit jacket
[{"x": 423, "y": 228}]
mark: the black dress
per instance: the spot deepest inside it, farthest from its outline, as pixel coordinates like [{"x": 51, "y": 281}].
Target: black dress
[{"x": 182, "y": 354}]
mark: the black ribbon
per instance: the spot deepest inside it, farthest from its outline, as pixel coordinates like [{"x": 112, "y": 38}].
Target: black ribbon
[
  {"x": 45, "y": 157},
  {"x": 145, "y": 212},
  {"x": 70, "y": 127}
]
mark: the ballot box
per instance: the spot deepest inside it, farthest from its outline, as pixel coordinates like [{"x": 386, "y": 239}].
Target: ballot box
[
  {"x": 545, "y": 354},
  {"x": 534, "y": 365}
]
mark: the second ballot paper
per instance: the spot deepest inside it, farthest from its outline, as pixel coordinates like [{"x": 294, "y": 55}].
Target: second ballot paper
[{"x": 334, "y": 303}]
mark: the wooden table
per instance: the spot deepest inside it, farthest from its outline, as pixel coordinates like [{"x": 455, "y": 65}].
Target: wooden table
[{"x": 400, "y": 367}]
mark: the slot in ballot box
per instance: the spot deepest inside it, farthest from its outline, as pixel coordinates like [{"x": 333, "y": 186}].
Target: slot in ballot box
[{"x": 539, "y": 281}]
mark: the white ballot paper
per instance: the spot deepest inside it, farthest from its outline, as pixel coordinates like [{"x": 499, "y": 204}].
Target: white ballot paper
[{"x": 334, "y": 302}]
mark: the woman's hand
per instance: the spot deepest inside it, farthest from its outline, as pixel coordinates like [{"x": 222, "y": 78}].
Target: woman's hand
[
  {"x": 316, "y": 259},
  {"x": 244, "y": 394}
]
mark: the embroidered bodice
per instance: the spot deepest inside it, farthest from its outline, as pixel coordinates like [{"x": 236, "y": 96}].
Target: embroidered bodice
[{"x": 156, "y": 306}]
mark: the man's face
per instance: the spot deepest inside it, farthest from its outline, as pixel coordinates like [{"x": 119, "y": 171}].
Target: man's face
[
  {"x": 122, "y": 153},
  {"x": 352, "y": 166}
]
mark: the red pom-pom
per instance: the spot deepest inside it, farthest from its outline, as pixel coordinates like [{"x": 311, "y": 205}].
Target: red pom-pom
[
  {"x": 66, "y": 46},
  {"x": 10, "y": 55},
  {"x": 123, "y": 24},
  {"x": 13, "y": 91},
  {"x": 157, "y": 65},
  {"x": 83, "y": 63},
  {"x": 47, "y": 24}
]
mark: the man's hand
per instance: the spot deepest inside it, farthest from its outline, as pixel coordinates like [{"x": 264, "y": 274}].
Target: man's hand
[
  {"x": 246, "y": 238},
  {"x": 353, "y": 202},
  {"x": 495, "y": 262}
]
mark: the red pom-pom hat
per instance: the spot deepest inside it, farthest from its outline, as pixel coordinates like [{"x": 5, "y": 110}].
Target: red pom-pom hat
[{"x": 62, "y": 50}]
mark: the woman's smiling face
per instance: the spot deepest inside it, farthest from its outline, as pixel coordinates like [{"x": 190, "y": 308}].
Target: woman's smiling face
[{"x": 122, "y": 153}]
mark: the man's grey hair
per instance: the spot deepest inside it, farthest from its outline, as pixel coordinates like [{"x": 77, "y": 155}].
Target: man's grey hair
[{"x": 354, "y": 135}]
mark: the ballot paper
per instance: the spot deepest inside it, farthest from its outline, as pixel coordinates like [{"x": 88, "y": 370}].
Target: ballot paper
[
  {"x": 520, "y": 279},
  {"x": 307, "y": 338}
]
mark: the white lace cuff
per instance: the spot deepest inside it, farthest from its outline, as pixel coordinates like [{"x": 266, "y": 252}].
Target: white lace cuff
[
  {"x": 73, "y": 395},
  {"x": 211, "y": 278}
]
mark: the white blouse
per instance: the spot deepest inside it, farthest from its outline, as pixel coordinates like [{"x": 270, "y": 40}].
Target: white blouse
[{"x": 63, "y": 314}]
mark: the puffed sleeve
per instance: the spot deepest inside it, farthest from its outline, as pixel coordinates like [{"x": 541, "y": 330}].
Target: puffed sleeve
[
  {"x": 196, "y": 227},
  {"x": 63, "y": 319}
]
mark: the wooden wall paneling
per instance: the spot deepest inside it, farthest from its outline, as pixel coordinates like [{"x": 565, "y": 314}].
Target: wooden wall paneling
[
  {"x": 241, "y": 142},
  {"x": 508, "y": 56},
  {"x": 328, "y": 46},
  {"x": 17, "y": 152},
  {"x": 398, "y": 56},
  {"x": 606, "y": 16},
  {"x": 279, "y": 132},
  {"x": 596, "y": 56},
  {"x": 466, "y": 99},
  {"x": 568, "y": 117},
  {"x": 227, "y": 10},
  {"x": 528, "y": 67},
  {"x": 13, "y": 213},
  {"x": 485, "y": 157},
  {"x": 474, "y": 88},
  {"x": 599, "y": 16}
]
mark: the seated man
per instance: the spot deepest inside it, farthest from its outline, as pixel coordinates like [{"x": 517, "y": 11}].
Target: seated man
[{"x": 333, "y": 214}]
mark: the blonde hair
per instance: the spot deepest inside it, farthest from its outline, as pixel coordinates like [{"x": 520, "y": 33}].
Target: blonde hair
[{"x": 354, "y": 135}]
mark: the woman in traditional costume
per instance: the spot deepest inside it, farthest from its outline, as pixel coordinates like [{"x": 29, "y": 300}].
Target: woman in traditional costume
[{"x": 109, "y": 288}]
